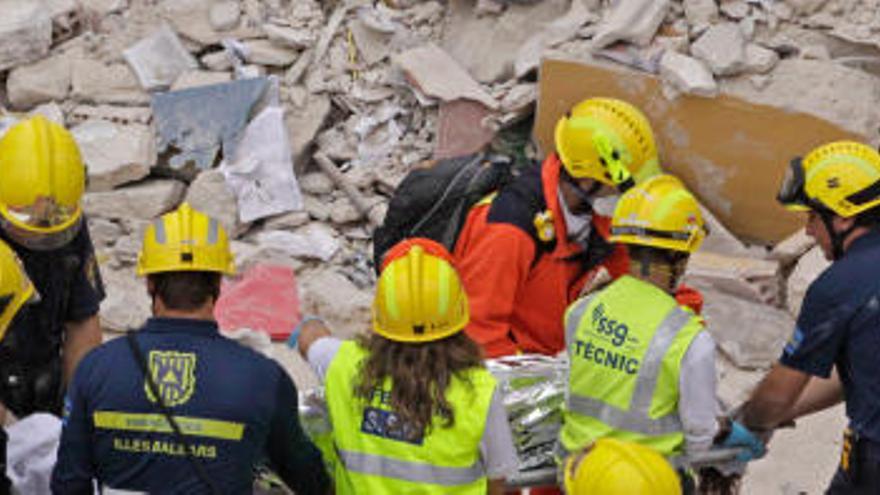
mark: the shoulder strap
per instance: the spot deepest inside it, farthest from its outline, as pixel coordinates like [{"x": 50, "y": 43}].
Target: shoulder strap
[{"x": 142, "y": 363}]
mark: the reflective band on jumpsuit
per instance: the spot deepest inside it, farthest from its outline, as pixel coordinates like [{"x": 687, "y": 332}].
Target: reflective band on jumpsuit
[{"x": 410, "y": 471}]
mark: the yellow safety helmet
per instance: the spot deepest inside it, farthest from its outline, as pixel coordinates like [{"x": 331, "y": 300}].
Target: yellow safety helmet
[
  {"x": 843, "y": 176},
  {"x": 419, "y": 296},
  {"x": 615, "y": 467},
  {"x": 15, "y": 287},
  {"x": 185, "y": 240},
  {"x": 659, "y": 213},
  {"x": 42, "y": 179},
  {"x": 607, "y": 140}
]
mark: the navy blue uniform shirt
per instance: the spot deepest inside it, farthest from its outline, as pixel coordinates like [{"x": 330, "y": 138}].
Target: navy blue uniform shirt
[
  {"x": 236, "y": 406},
  {"x": 839, "y": 324}
]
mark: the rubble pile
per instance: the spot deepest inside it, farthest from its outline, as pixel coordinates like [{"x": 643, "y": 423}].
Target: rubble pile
[{"x": 292, "y": 121}]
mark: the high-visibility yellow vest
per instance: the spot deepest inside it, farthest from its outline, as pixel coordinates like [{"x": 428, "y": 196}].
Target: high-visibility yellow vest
[
  {"x": 625, "y": 345},
  {"x": 378, "y": 454}
]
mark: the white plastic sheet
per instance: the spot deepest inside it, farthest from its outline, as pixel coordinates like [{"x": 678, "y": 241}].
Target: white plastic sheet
[
  {"x": 260, "y": 173},
  {"x": 31, "y": 452}
]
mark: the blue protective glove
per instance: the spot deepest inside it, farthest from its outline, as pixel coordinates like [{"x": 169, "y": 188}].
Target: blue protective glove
[
  {"x": 740, "y": 437},
  {"x": 293, "y": 340}
]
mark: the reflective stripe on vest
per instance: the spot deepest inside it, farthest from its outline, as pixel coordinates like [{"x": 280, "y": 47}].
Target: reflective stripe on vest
[
  {"x": 636, "y": 418},
  {"x": 410, "y": 471}
]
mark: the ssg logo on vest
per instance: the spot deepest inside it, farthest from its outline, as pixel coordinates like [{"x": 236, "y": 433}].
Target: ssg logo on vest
[
  {"x": 174, "y": 374},
  {"x": 612, "y": 331}
]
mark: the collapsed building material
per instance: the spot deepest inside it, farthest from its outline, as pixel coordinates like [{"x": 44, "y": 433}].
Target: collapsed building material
[
  {"x": 159, "y": 59},
  {"x": 115, "y": 154},
  {"x": 635, "y": 21},
  {"x": 438, "y": 75},
  {"x": 210, "y": 194},
  {"x": 43, "y": 81},
  {"x": 357, "y": 199},
  {"x": 127, "y": 306},
  {"x": 312, "y": 241},
  {"x": 687, "y": 74},
  {"x": 25, "y": 32},
  {"x": 748, "y": 278},
  {"x": 808, "y": 268},
  {"x": 144, "y": 201},
  {"x": 723, "y": 48},
  {"x": 95, "y": 82}
]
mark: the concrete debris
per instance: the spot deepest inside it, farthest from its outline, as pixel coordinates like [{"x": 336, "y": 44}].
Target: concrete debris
[
  {"x": 316, "y": 183},
  {"x": 115, "y": 154},
  {"x": 735, "y": 9},
  {"x": 210, "y": 194},
  {"x": 103, "y": 232},
  {"x": 372, "y": 45},
  {"x": 298, "y": 39},
  {"x": 722, "y": 47},
  {"x": 635, "y": 21},
  {"x": 224, "y": 15},
  {"x": 265, "y": 52},
  {"x": 304, "y": 120},
  {"x": 196, "y": 78},
  {"x": 487, "y": 46},
  {"x": 809, "y": 267},
  {"x": 46, "y": 80},
  {"x": 144, "y": 201},
  {"x": 192, "y": 20},
  {"x": 25, "y": 32},
  {"x": 805, "y": 7},
  {"x": 159, "y": 59},
  {"x": 789, "y": 250},
  {"x": 127, "y": 304},
  {"x": 312, "y": 241},
  {"x": 687, "y": 74},
  {"x": 815, "y": 52},
  {"x": 748, "y": 278},
  {"x": 327, "y": 292},
  {"x": 751, "y": 335},
  {"x": 700, "y": 14},
  {"x": 436, "y": 74},
  {"x": 51, "y": 111},
  {"x": 357, "y": 199},
  {"x": 198, "y": 121},
  {"x": 94, "y": 82},
  {"x": 288, "y": 221},
  {"x": 721, "y": 241},
  {"x": 759, "y": 59},
  {"x": 104, "y": 7},
  {"x": 463, "y": 128},
  {"x": 562, "y": 29}
]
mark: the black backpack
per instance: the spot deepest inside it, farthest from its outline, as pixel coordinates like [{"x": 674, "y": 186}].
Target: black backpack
[{"x": 433, "y": 200}]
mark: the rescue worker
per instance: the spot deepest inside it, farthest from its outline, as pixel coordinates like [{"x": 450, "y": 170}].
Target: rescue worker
[
  {"x": 17, "y": 296},
  {"x": 526, "y": 254},
  {"x": 838, "y": 186},
  {"x": 615, "y": 467},
  {"x": 42, "y": 178},
  {"x": 642, "y": 368},
  {"x": 208, "y": 409},
  {"x": 412, "y": 408}
]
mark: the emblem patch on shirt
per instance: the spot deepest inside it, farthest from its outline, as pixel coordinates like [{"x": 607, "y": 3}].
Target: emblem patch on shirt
[
  {"x": 387, "y": 424},
  {"x": 174, "y": 374}
]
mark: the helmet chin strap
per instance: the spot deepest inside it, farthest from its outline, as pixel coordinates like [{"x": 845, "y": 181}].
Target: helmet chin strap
[{"x": 837, "y": 238}]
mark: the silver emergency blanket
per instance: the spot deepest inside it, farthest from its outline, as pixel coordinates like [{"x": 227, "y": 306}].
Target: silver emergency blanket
[{"x": 532, "y": 389}]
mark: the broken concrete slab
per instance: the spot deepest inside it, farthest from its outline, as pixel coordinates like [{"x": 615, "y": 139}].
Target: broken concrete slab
[
  {"x": 288, "y": 221},
  {"x": 51, "y": 111},
  {"x": 487, "y": 46},
  {"x": 199, "y": 121},
  {"x": 687, "y": 74},
  {"x": 192, "y": 20},
  {"x": 790, "y": 250},
  {"x": 808, "y": 268},
  {"x": 562, "y": 29},
  {"x": 143, "y": 201},
  {"x": 127, "y": 304},
  {"x": 298, "y": 39},
  {"x": 46, "y": 80},
  {"x": 462, "y": 128},
  {"x": 104, "y": 7},
  {"x": 197, "y": 78},
  {"x": 635, "y": 21},
  {"x": 438, "y": 75},
  {"x": 210, "y": 194},
  {"x": 224, "y": 15},
  {"x": 303, "y": 123},
  {"x": 805, "y": 7},
  {"x": 748, "y": 278},
  {"x": 760, "y": 60},
  {"x": 118, "y": 115},
  {"x": 92, "y": 81},
  {"x": 722, "y": 47},
  {"x": 265, "y": 52},
  {"x": 159, "y": 59},
  {"x": 316, "y": 183},
  {"x": 115, "y": 154},
  {"x": 373, "y": 45},
  {"x": 735, "y": 9},
  {"x": 343, "y": 212},
  {"x": 25, "y": 32},
  {"x": 312, "y": 241},
  {"x": 752, "y": 335},
  {"x": 700, "y": 14},
  {"x": 104, "y": 232}
]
